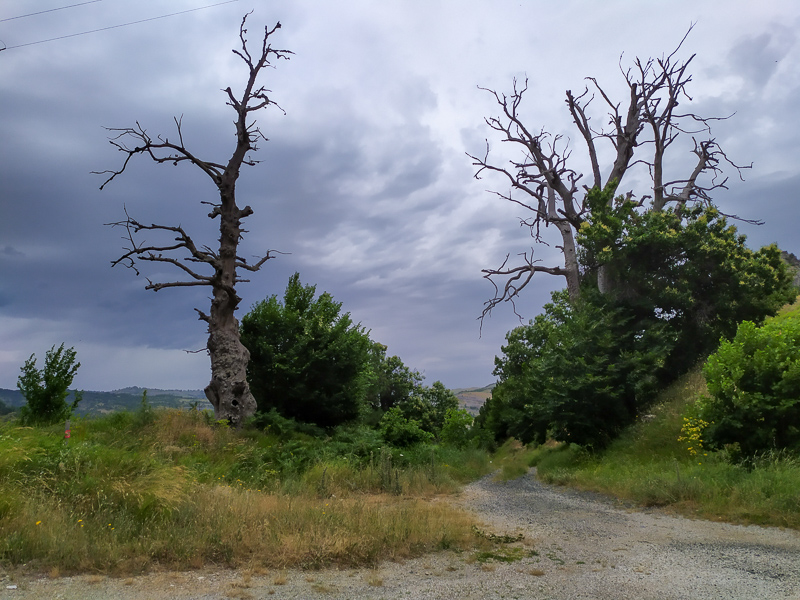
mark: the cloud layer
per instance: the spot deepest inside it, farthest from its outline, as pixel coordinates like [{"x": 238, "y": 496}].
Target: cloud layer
[{"x": 364, "y": 181}]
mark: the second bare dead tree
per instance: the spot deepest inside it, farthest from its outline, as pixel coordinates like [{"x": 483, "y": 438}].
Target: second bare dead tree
[
  {"x": 640, "y": 130},
  {"x": 228, "y": 390}
]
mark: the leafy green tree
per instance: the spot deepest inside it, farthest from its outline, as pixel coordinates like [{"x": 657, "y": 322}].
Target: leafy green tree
[
  {"x": 456, "y": 428},
  {"x": 307, "y": 360},
  {"x": 393, "y": 381},
  {"x": 428, "y": 406},
  {"x": 46, "y": 390},
  {"x": 578, "y": 373},
  {"x": 754, "y": 388},
  {"x": 681, "y": 280},
  {"x": 688, "y": 268},
  {"x": 399, "y": 430}
]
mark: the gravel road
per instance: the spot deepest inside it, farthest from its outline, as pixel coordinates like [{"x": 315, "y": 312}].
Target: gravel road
[{"x": 575, "y": 546}]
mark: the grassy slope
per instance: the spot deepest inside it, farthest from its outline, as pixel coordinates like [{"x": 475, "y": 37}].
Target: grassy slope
[
  {"x": 649, "y": 466},
  {"x": 473, "y": 398},
  {"x": 170, "y": 488}
]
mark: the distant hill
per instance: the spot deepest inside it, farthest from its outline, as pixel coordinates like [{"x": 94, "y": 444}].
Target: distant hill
[
  {"x": 124, "y": 399},
  {"x": 137, "y": 391},
  {"x": 473, "y": 398},
  {"x": 130, "y": 398}
]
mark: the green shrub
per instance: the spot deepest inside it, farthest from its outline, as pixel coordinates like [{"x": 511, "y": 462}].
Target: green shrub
[
  {"x": 46, "y": 390},
  {"x": 577, "y": 373},
  {"x": 308, "y": 360},
  {"x": 428, "y": 406},
  {"x": 754, "y": 388},
  {"x": 400, "y": 431},
  {"x": 273, "y": 423},
  {"x": 456, "y": 428}
]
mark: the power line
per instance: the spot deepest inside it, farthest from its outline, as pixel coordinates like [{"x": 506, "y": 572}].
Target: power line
[
  {"x": 121, "y": 25},
  {"x": 41, "y": 12}
]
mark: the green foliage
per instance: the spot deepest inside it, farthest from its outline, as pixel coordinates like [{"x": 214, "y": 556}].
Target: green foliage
[
  {"x": 428, "y": 406},
  {"x": 401, "y": 431},
  {"x": 754, "y": 388},
  {"x": 675, "y": 283},
  {"x": 307, "y": 361},
  {"x": 457, "y": 427},
  {"x": 46, "y": 390},
  {"x": 393, "y": 381},
  {"x": 311, "y": 364},
  {"x": 577, "y": 373},
  {"x": 688, "y": 268},
  {"x": 274, "y": 423}
]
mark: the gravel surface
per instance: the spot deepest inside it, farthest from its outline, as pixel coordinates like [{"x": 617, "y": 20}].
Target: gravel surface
[{"x": 575, "y": 545}]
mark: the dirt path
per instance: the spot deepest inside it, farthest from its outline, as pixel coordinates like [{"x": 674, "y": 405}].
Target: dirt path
[{"x": 575, "y": 546}]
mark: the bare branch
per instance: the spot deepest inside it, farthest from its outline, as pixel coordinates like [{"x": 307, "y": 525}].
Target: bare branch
[
  {"x": 160, "y": 151},
  {"x": 517, "y": 279},
  {"x": 242, "y": 263},
  {"x": 544, "y": 183},
  {"x": 582, "y": 122}
]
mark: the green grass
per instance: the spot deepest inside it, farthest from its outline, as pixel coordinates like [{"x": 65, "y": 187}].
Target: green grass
[
  {"x": 513, "y": 460},
  {"x": 170, "y": 488},
  {"x": 647, "y": 465}
]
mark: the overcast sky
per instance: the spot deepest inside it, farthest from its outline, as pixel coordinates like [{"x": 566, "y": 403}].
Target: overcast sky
[{"x": 364, "y": 182}]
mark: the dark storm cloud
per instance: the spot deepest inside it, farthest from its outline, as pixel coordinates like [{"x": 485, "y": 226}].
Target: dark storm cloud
[
  {"x": 756, "y": 58},
  {"x": 364, "y": 181}
]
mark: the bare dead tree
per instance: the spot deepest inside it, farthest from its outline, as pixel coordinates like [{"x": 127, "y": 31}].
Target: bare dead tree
[
  {"x": 228, "y": 390},
  {"x": 543, "y": 182}
]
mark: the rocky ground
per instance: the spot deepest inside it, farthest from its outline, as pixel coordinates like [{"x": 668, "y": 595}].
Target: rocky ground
[{"x": 574, "y": 546}]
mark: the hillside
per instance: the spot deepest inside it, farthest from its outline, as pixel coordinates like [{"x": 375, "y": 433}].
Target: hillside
[
  {"x": 124, "y": 399},
  {"x": 473, "y": 398},
  {"x": 130, "y": 398}
]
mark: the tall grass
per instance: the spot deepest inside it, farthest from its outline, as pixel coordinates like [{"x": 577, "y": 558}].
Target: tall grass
[
  {"x": 172, "y": 488},
  {"x": 649, "y": 466}
]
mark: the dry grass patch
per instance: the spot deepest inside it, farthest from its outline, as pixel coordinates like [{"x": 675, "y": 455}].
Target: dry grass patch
[
  {"x": 238, "y": 528},
  {"x": 180, "y": 428},
  {"x": 130, "y": 493}
]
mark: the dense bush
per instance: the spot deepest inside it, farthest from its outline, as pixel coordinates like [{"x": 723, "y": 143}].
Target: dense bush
[
  {"x": 46, "y": 390},
  {"x": 457, "y": 428},
  {"x": 754, "y": 388},
  {"x": 688, "y": 268},
  {"x": 399, "y": 430},
  {"x": 578, "y": 373},
  {"x": 428, "y": 406},
  {"x": 307, "y": 361}
]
